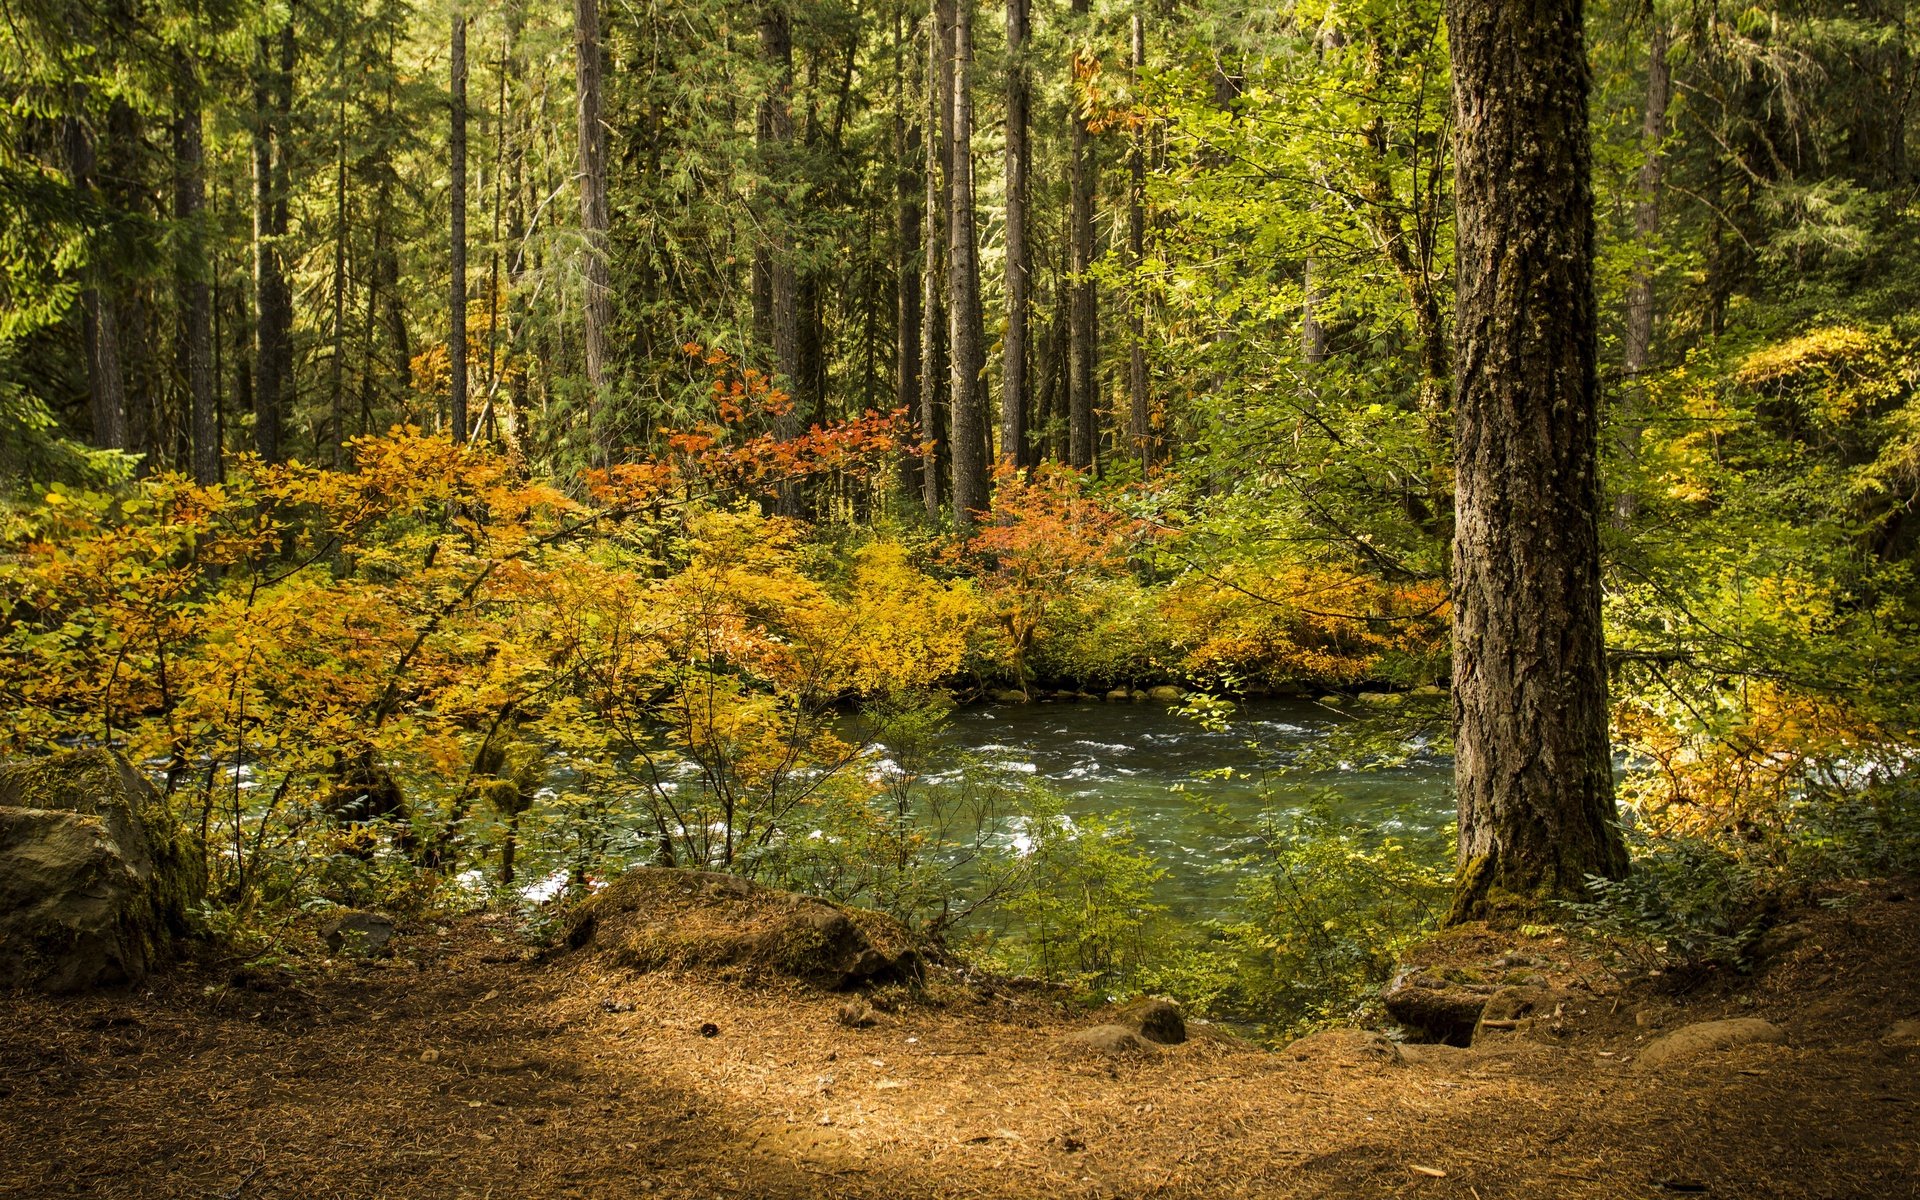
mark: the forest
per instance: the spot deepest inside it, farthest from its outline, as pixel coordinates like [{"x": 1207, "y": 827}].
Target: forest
[{"x": 1324, "y": 514}]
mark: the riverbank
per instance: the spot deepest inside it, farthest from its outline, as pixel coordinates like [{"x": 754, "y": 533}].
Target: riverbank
[{"x": 464, "y": 1066}]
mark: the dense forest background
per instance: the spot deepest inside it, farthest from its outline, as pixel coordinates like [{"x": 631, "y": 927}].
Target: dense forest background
[{"x": 452, "y": 407}]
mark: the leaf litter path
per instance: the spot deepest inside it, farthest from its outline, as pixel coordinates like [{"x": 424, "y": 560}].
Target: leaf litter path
[{"x": 459, "y": 1069}]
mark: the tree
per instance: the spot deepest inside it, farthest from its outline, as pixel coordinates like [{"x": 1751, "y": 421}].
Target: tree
[
  {"x": 1019, "y": 160},
  {"x": 195, "y": 301},
  {"x": 1083, "y": 328},
  {"x": 963, "y": 270},
  {"x": 593, "y": 214},
  {"x": 1646, "y": 227},
  {"x": 933, "y": 330},
  {"x": 1532, "y": 760},
  {"x": 273, "y": 295},
  {"x": 457, "y": 231}
]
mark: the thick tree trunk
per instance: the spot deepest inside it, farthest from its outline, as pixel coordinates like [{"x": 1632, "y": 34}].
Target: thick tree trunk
[
  {"x": 273, "y": 297},
  {"x": 195, "y": 344},
  {"x": 1532, "y": 761},
  {"x": 1640, "y": 295},
  {"x": 1313, "y": 335},
  {"x": 593, "y": 216},
  {"x": 933, "y": 330},
  {"x": 1014, "y": 403},
  {"x": 457, "y": 232},
  {"x": 1083, "y": 327},
  {"x": 963, "y": 266}
]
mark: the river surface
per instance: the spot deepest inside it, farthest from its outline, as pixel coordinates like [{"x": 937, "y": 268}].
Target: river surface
[{"x": 1191, "y": 793}]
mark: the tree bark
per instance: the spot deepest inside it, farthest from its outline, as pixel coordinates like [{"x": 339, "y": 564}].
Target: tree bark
[
  {"x": 908, "y": 250},
  {"x": 273, "y": 298},
  {"x": 1014, "y": 400},
  {"x": 593, "y": 216},
  {"x": 776, "y": 137},
  {"x": 106, "y": 385},
  {"x": 1083, "y": 324},
  {"x": 963, "y": 266},
  {"x": 1640, "y": 293},
  {"x": 457, "y": 232},
  {"x": 1139, "y": 419},
  {"x": 195, "y": 346},
  {"x": 933, "y": 330},
  {"x": 1532, "y": 762}
]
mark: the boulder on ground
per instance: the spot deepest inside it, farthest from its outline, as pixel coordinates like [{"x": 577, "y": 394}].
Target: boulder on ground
[
  {"x": 1109, "y": 1039},
  {"x": 1008, "y": 696},
  {"x": 1706, "y": 1037},
  {"x": 1381, "y": 699},
  {"x": 1165, "y": 694},
  {"x": 1119, "y": 696},
  {"x": 1154, "y": 1019},
  {"x": 661, "y": 918},
  {"x": 1345, "y": 1048},
  {"x": 1442, "y": 1005},
  {"x": 96, "y": 879},
  {"x": 360, "y": 934}
]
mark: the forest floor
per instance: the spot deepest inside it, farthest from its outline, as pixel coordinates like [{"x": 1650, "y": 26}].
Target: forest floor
[{"x": 463, "y": 1067}]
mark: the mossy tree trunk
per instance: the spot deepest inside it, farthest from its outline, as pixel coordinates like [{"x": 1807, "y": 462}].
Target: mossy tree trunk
[{"x": 1532, "y": 760}]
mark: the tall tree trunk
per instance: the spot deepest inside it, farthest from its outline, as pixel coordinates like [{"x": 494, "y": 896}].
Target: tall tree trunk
[
  {"x": 934, "y": 382},
  {"x": 1083, "y": 327},
  {"x": 776, "y": 139},
  {"x": 273, "y": 298},
  {"x": 963, "y": 284},
  {"x": 907, "y": 245},
  {"x": 100, "y": 327},
  {"x": 1313, "y": 335},
  {"x": 1014, "y": 402},
  {"x": 457, "y": 231},
  {"x": 593, "y": 218},
  {"x": 195, "y": 347},
  {"x": 1139, "y": 419},
  {"x": 1531, "y": 760},
  {"x": 1646, "y": 228}
]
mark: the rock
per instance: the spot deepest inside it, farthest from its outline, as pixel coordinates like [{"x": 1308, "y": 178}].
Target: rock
[
  {"x": 1109, "y": 1039},
  {"x": 1139, "y": 697},
  {"x": 1779, "y": 940},
  {"x": 1332, "y": 701},
  {"x": 1428, "y": 691},
  {"x": 1008, "y": 696},
  {"x": 1901, "y": 1033},
  {"x": 1444, "y": 1006},
  {"x": 1154, "y": 1019},
  {"x": 1517, "y": 1009},
  {"x": 661, "y": 918},
  {"x": 1119, "y": 696},
  {"x": 1345, "y": 1048},
  {"x": 359, "y": 934},
  {"x": 1165, "y": 694},
  {"x": 1381, "y": 699},
  {"x": 1086, "y": 698},
  {"x": 96, "y": 878},
  {"x": 1705, "y": 1037}
]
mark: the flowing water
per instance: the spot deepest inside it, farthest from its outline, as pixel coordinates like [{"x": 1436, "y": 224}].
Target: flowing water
[{"x": 1190, "y": 793}]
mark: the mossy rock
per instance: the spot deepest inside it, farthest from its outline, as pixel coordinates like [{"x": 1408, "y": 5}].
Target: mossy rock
[
  {"x": 96, "y": 877},
  {"x": 658, "y": 918}
]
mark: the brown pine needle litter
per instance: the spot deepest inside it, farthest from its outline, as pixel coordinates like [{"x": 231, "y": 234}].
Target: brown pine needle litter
[{"x": 464, "y": 1068}]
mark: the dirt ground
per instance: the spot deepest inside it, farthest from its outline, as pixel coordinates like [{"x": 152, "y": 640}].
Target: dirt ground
[{"x": 461, "y": 1068}]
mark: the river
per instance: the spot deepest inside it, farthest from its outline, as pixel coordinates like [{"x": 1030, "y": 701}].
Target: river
[{"x": 1190, "y": 792}]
